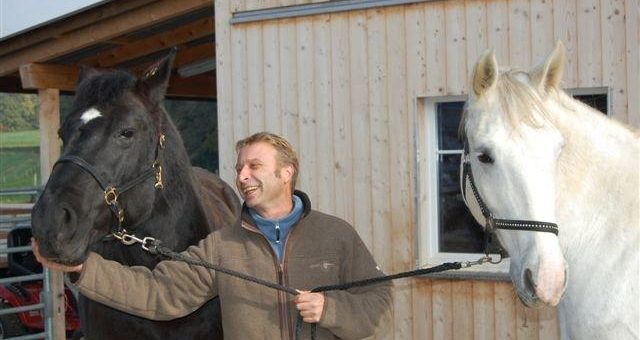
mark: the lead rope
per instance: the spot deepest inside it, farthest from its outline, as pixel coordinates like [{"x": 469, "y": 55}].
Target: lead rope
[{"x": 152, "y": 245}]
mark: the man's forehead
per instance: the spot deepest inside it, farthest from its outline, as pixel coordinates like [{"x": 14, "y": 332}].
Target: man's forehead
[{"x": 257, "y": 151}]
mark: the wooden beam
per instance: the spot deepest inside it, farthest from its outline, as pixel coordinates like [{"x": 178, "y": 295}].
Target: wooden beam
[
  {"x": 60, "y": 28},
  {"x": 153, "y": 43},
  {"x": 110, "y": 28},
  {"x": 64, "y": 78},
  {"x": 49, "y": 76},
  {"x": 185, "y": 56},
  {"x": 202, "y": 86}
]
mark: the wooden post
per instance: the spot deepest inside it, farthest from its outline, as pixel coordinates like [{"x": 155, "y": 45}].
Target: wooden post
[{"x": 49, "y": 118}]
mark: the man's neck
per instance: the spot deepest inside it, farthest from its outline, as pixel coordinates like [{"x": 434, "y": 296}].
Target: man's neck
[{"x": 278, "y": 211}]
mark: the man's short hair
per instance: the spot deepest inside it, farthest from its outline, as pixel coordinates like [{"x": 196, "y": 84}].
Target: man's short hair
[{"x": 286, "y": 153}]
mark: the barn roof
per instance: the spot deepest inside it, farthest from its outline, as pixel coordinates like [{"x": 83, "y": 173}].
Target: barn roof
[{"x": 115, "y": 33}]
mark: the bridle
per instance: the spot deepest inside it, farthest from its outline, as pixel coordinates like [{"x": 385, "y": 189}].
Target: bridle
[
  {"x": 112, "y": 191},
  {"x": 492, "y": 223}
]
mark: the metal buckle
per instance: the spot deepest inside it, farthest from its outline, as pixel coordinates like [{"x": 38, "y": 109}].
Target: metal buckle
[{"x": 111, "y": 195}]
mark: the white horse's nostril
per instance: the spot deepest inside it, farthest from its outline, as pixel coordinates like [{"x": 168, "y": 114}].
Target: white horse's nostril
[{"x": 528, "y": 280}]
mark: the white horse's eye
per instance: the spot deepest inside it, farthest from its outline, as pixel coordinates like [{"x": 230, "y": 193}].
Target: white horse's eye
[{"x": 485, "y": 158}]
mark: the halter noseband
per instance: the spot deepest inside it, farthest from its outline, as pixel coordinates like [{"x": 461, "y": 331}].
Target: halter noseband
[
  {"x": 492, "y": 223},
  {"x": 112, "y": 191}
]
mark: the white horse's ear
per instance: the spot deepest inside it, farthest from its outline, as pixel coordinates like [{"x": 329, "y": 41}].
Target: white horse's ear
[
  {"x": 549, "y": 74},
  {"x": 485, "y": 73}
]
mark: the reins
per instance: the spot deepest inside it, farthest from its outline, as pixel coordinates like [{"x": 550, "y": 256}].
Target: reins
[{"x": 153, "y": 246}]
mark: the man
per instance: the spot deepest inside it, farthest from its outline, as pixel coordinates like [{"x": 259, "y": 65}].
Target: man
[{"x": 279, "y": 239}]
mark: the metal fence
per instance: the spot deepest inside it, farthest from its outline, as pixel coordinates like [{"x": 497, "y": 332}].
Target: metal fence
[{"x": 10, "y": 219}]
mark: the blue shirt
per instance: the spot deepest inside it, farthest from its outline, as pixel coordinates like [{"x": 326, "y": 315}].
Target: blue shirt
[{"x": 276, "y": 231}]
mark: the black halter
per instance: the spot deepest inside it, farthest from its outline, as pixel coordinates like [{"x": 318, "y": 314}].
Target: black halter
[
  {"x": 493, "y": 223},
  {"x": 112, "y": 191}
]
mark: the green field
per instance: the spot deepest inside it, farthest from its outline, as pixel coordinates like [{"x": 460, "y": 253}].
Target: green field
[
  {"x": 19, "y": 163},
  {"x": 19, "y": 139}
]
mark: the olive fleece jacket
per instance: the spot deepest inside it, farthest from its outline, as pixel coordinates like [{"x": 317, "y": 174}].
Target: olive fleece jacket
[{"x": 320, "y": 250}]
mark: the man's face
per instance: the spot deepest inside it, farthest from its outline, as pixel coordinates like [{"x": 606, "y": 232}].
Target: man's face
[{"x": 261, "y": 182}]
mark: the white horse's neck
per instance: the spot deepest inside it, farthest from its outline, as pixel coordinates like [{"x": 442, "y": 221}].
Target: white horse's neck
[{"x": 598, "y": 215}]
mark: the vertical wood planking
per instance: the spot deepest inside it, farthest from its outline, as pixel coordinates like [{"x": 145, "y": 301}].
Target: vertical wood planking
[
  {"x": 360, "y": 127},
  {"x": 225, "y": 91},
  {"x": 565, "y": 30},
  {"x": 443, "y": 318},
  {"x": 476, "y": 33},
  {"x": 289, "y": 81},
  {"x": 399, "y": 228},
  {"x": 436, "y": 49},
  {"x": 422, "y": 308},
  {"x": 456, "y": 66},
  {"x": 271, "y": 79},
  {"x": 323, "y": 113},
  {"x": 519, "y": 34},
  {"x": 526, "y": 322},
  {"x": 416, "y": 54},
  {"x": 462, "y": 308},
  {"x": 239, "y": 83},
  {"x": 255, "y": 93},
  {"x": 306, "y": 106},
  {"x": 542, "y": 41},
  {"x": 379, "y": 137},
  {"x": 632, "y": 24},
  {"x": 483, "y": 310},
  {"x": 505, "y": 311},
  {"x": 343, "y": 194},
  {"x": 498, "y": 29},
  {"x": 589, "y": 43},
  {"x": 614, "y": 57},
  {"x": 548, "y": 326}
]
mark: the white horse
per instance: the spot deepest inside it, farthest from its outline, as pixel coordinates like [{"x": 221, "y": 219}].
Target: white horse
[{"x": 538, "y": 154}]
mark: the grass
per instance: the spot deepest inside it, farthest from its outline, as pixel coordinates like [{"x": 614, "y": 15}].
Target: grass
[
  {"x": 19, "y": 139},
  {"x": 19, "y": 163}
]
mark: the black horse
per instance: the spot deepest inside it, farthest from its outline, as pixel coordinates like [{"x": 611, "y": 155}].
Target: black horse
[{"x": 124, "y": 171}]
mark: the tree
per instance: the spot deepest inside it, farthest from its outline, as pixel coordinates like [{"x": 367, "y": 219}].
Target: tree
[{"x": 18, "y": 112}]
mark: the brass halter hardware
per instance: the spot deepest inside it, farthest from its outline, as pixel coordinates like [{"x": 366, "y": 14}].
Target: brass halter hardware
[
  {"x": 110, "y": 195},
  {"x": 158, "y": 168}
]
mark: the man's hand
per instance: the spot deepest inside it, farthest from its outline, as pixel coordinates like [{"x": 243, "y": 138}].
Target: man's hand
[
  {"x": 310, "y": 305},
  {"x": 50, "y": 264}
]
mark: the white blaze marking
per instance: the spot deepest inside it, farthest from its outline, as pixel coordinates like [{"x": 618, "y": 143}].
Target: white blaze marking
[{"x": 90, "y": 114}]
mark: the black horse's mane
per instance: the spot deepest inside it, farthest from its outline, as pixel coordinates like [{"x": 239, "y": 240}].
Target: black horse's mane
[{"x": 103, "y": 88}]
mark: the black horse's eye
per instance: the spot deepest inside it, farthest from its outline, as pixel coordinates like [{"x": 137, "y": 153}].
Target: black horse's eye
[
  {"x": 485, "y": 158},
  {"x": 127, "y": 133}
]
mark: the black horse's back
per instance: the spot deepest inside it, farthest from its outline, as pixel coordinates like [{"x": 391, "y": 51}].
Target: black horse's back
[{"x": 118, "y": 137}]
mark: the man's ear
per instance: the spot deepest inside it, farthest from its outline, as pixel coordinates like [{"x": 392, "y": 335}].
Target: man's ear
[{"x": 287, "y": 172}]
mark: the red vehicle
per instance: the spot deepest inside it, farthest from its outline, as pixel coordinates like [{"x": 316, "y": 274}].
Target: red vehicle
[{"x": 28, "y": 293}]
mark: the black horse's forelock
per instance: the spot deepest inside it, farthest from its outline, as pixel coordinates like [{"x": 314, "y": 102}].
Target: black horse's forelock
[{"x": 103, "y": 89}]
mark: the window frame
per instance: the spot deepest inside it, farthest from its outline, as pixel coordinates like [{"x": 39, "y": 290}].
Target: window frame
[{"x": 427, "y": 198}]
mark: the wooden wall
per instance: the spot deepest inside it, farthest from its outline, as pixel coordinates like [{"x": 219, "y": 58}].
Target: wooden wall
[{"x": 342, "y": 88}]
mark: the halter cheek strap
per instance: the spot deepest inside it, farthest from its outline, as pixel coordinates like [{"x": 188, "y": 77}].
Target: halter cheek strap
[
  {"x": 112, "y": 191},
  {"x": 492, "y": 223}
]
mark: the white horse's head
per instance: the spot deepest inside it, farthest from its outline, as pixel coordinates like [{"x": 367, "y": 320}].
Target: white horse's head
[{"x": 513, "y": 152}]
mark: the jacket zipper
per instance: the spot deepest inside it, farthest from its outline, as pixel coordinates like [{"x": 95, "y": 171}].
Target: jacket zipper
[{"x": 285, "y": 319}]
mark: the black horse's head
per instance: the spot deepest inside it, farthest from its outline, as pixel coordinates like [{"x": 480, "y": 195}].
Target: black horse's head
[{"x": 111, "y": 142}]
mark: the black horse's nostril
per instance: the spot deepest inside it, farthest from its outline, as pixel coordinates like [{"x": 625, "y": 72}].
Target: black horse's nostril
[
  {"x": 66, "y": 215},
  {"x": 528, "y": 280}
]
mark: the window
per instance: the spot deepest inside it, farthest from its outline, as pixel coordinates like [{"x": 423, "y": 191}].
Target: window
[{"x": 446, "y": 230}]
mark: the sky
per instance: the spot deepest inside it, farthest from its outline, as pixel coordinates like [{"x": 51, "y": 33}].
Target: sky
[{"x": 17, "y": 15}]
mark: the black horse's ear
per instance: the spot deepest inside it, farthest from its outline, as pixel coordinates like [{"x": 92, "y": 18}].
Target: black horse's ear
[
  {"x": 155, "y": 80},
  {"x": 86, "y": 72}
]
